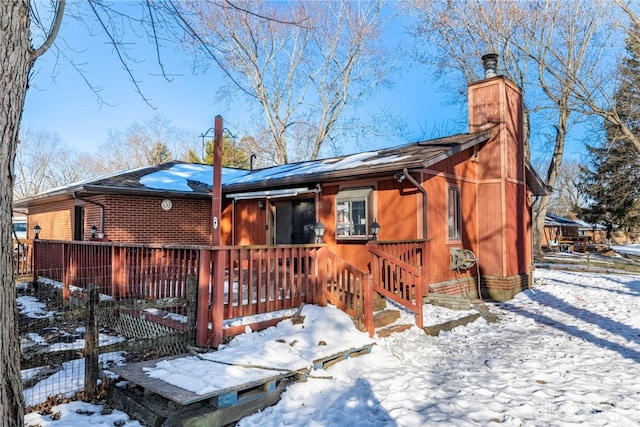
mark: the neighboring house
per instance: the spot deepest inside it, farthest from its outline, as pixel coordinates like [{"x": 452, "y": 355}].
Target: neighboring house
[
  {"x": 596, "y": 233},
  {"x": 559, "y": 230},
  {"x": 468, "y": 191}
]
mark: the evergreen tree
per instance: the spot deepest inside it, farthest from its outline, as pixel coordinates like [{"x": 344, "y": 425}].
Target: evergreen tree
[
  {"x": 612, "y": 179},
  {"x": 232, "y": 155},
  {"x": 159, "y": 153}
]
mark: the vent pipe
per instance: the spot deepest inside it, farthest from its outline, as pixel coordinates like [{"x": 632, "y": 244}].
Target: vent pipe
[{"x": 490, "y": 64}]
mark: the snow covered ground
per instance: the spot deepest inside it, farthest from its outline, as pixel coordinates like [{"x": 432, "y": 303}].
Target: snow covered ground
[{"x": 566, "y": 352}]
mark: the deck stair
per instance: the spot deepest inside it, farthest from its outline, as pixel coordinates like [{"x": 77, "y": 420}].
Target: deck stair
[{"x": 385, "y": 321}]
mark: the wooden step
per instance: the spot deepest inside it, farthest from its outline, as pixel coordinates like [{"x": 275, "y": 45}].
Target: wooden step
[
  {"x": 385, "y": 317},
  {"x": 379, "y": 303},
  {"x": 385, "y": 332}
]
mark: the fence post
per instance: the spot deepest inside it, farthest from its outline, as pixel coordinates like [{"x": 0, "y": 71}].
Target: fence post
[
  {"x": 217, "y": 303},
  {"x": 204, "y": 273},
  {"x": 192, "y": 309},
  {"x": 91, "y": 350}
]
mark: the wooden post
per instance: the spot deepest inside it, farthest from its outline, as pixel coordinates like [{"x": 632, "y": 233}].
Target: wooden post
[
  {"x": 216, "y": 188},
  {"x": 91, "y": 346},
  {"x": 204, "y": 275},
  {"x": 419, "y": 301},
  {"x": 321, "y": 287},
  {"x": 117, "y": 284},
  {"x": 34, "y": 260},
  {"x": 192, "y": 309},
  {"x": 66, "y": 271},
  {"x": 368, "y": 304},
  {"x": 217, "y": 303}
]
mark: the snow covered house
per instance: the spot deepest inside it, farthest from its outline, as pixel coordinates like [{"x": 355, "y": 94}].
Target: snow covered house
[{"x": 437, "y": 207}]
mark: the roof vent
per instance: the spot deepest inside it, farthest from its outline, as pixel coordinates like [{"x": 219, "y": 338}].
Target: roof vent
[{"x": 490, "y": 64}]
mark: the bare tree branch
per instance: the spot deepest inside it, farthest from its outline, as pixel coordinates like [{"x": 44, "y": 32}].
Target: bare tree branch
[{"x": 53, "y": 32}]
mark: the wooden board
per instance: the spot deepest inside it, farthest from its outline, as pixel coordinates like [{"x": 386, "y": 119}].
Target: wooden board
[{"x": 227, "y": 396}]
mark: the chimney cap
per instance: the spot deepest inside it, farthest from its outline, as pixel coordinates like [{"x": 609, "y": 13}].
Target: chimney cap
[{"x": 490, "y": 64}]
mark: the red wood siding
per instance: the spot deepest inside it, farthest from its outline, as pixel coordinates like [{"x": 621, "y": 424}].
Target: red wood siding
[
  {"x": 250, "y": 223},
  {"x": 397, "y": 210},
  {"x": 439, "y": 243},
  {"x": 517, "y": 253}
]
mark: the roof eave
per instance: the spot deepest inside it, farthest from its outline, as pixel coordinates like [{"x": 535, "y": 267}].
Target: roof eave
[
  {"x": 478, "y": 139},
  {"x": 535, "y": 182},
  {"x": 323, "y": 177}
]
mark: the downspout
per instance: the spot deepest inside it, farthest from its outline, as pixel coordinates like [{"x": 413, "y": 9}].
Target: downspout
[
  {"x": 75, "y": 196},
  {"x": 424, "y": 201}
]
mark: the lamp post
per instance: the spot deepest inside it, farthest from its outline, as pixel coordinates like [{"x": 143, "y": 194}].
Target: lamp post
[
  {"x": 318, "y": 230},
  {"x": 36, "y": 232},
  {"x": 375, "y": 228}
]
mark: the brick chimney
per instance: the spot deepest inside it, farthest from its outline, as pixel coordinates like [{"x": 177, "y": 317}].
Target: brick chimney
[{"x": 495, "y": 104}]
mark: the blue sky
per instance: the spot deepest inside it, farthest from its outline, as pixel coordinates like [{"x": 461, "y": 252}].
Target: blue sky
[{"x": 60, "y": 101}]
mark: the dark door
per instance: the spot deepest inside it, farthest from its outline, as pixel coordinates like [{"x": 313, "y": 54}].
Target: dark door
[
  {"x": 303, "y": 218},
  {"x": 294, "y": 221},
  {"x": 78, "y": 226}
]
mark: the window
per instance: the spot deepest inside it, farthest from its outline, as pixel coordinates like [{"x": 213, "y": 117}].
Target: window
[
  {"x": 353, "y": 213},
  {"x": 453, "y": 213}
]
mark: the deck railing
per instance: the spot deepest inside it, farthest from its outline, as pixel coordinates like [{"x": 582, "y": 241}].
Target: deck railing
[
  {"x": 349, "y": 289},
  {"x": 408, "y": 251},
  {"x": 255, "y": 280},
  {"x": 397, "y": 280},
  {"x": 22, "y": 257},
  {"x": 251, "y": 280}
]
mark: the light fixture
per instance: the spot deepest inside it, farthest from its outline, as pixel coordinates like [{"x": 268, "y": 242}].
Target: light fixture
[
  {"x": 375, "y": 228},
  {"x": 94, "y": 230},
  {"x": 36, "y": 231},
  {"x": 318, "y": 230},
  {"x": 260, "y": 205},
  {"x": 399, "y": 176}
]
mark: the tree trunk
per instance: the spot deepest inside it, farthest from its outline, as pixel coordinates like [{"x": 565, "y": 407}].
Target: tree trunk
[
  {"x": 552, "y": 171},
  {"x": 15, "y": 62}
]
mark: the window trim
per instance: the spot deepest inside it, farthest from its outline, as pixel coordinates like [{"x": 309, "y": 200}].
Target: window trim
[
  {"x": 354, "y": 194},
  {"x": 454, "y": 225}
]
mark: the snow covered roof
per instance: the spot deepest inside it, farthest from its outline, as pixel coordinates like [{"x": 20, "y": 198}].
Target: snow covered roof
[
  {"x": 555, "y": 220},
  {"x": 195, "y": 180},
  {"x": 187, "y": 179},
  {"x": 416, "y": 155}
]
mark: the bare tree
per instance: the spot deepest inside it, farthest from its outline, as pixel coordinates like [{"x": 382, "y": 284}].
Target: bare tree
[
  {"x": 567, "y": 196},
  {"x": 141, "y": 144},
  {"x": 17, "y": 56},
  {"x": 548, "y": 47},
  {"x": 303, "y": 63},
  {"x": 595, "y": 92},
  {"x": 44, "y": 162}
]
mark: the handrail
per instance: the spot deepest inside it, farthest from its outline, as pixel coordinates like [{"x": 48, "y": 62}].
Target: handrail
[
  {"x": 349, "y": 289},
  {"x": 397, "y": 280}
]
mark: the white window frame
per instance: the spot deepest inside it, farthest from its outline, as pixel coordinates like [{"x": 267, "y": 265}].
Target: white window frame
[{"x": 348, "y": 227}]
